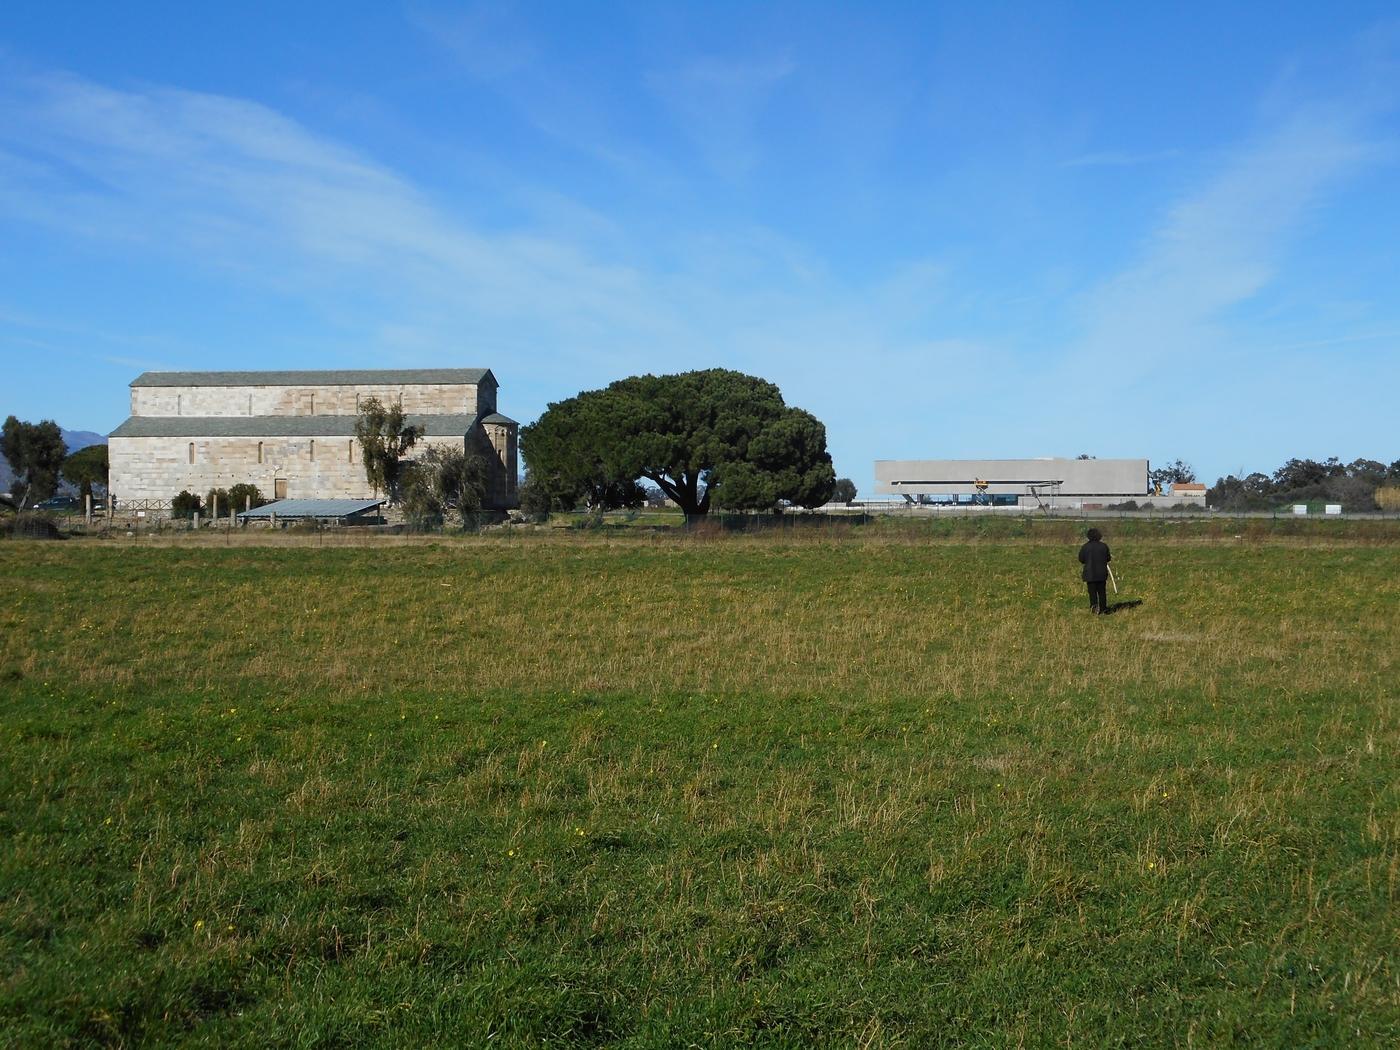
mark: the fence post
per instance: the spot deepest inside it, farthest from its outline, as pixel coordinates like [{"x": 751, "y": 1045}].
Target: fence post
[{"x": 87, "y": 510}]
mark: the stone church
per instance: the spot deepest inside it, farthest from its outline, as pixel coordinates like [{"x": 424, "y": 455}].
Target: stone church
[{"x": 292, "y": 434}]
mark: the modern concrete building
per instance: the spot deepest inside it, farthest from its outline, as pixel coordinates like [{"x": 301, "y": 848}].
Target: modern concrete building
[
  {"x": 293, "y": 433},
  {"x": 1078, "y": 483}
]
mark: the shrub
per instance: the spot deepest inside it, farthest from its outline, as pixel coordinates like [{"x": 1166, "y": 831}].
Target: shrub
[
  {"x": 31, "y": 527},
  {"x": 535, "y": 501},
  {"x": 1388, "y": 497},
  {"x": 185, "y": 505}
]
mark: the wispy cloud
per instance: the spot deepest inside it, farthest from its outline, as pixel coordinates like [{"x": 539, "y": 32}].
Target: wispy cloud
[
  {"x": 718, "y": 103},
  {"x": 236, "y": 185},
  {"x": 1221, "y": 244}
]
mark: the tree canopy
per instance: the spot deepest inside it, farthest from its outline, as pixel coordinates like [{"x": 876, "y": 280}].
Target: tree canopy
[
  {"x": 712, "y": 438},
  {"x": 35, "y": 452}
]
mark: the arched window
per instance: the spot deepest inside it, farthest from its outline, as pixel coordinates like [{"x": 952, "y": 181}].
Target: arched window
[
  {"x": 350, "y": 452},
  {"x": 260, "y": 452},
  {"x": 313, "y": 450},
  {"x": 191, "y": 451}
]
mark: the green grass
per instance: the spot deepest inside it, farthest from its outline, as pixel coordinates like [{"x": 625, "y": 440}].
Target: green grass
[{"x": 642, "y": 790}]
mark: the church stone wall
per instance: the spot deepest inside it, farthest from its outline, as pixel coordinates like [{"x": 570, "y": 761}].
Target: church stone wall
[
  {"x": 147, "y": 468},
  {"x": 424, "y": 398}
]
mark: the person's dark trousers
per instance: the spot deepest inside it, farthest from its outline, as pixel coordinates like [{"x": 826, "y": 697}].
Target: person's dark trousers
[{"x": 1098, "y": 595}]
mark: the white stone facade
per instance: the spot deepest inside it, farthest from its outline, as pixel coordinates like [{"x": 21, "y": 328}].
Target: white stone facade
[{"x": 292, "y": 433}]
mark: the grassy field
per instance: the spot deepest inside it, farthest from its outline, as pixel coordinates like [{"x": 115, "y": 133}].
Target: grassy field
[{"x": 855, "y": 790}]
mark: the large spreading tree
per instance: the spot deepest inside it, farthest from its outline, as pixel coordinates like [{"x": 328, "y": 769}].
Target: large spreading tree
[
  {"x": 35, "y": 452},
  {"x": 713, "y": 438}
]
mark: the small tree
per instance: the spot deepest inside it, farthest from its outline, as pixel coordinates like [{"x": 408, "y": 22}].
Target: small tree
[
  {"x": 35, "y": 452},
  {"x": 460, "y": 480},
  {"x": 217, "y": 499},
  {"x": 444, "y": 481},
  {"x": 385, "y": 437},
  {"x": 87, "y": 468},
  {"x": 245, "y": 496},
  {"x": 185, "y": 505},
  {"x": 845, "y": 491},
  {"x": 1175, "y": 473}
]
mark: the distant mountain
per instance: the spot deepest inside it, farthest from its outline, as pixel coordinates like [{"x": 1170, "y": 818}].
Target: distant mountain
[{"x": 74, "y": 439}]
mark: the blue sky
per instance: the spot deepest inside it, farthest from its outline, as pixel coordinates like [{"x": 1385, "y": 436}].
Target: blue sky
[{"x": 948, "y": 230}]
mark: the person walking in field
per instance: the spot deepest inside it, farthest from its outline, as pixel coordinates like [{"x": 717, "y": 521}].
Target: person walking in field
[{"x": 1094, "y": 556}]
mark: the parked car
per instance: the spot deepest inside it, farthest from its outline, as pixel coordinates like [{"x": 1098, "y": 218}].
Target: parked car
[{"x": 59, "y": 504}]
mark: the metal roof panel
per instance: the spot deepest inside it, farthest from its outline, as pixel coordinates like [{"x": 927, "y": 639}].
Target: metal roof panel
[{"x": 312, "y": 508}]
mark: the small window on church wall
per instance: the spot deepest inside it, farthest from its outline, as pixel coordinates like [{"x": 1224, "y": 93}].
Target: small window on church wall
[
  {"x": 349, "y": 452},
  {"x": 313, "y": 448},
  {"x": 191, "y": 451},
  {"x": 179, "y": 409},
  {"x": 250, "y": 404},
  {"x": 312, "y": 402},
  {"x": 260, "y": 444}
]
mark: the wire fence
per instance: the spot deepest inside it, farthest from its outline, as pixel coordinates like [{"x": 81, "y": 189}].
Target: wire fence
[{"x": 159, "y": 518}]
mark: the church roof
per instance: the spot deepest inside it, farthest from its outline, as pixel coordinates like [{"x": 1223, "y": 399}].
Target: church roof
[
  {"x": 446, "y": 425},
  {"x": 335, "y": 377}
]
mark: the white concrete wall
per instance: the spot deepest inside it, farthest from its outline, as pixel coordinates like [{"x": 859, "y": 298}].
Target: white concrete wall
[{"x": 1124, "y": 478}]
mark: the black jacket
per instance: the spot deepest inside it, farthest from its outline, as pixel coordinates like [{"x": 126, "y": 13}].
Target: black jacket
[{"x": 1095, "y": 557}]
